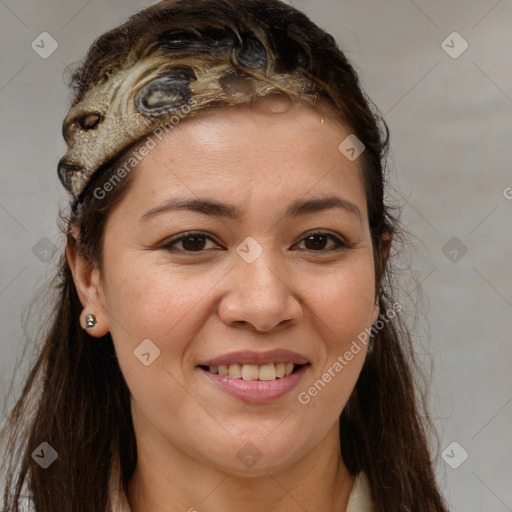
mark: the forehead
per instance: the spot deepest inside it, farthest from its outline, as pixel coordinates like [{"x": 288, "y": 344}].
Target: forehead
[{"x": 268, "y": 151}]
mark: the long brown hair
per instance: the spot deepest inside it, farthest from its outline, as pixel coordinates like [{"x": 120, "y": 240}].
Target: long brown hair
[{"x": 75, "y": 397}]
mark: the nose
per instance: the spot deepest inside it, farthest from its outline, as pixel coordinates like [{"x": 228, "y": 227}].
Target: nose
[{"x": 261, "y": 296}]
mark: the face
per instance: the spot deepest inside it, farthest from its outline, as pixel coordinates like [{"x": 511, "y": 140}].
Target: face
[{"x": 257, "y": 283}]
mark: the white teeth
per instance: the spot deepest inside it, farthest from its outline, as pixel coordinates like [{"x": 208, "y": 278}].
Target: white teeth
[
  {"x": 269, "y": 371},
  {"x": 280, "y": 369},
  {"x": 235, "y": 370},
  {"x": 249, "y": 371}
]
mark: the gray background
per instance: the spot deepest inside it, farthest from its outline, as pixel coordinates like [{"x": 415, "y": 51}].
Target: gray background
[{"x": 451, "y": 139}]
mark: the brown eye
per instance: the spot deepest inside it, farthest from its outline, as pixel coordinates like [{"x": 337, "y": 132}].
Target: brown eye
[
  {"x": 190, "y": 243},
  {"x": 90, "y": 121},
  {"x": 319, "y": 242},
  {"x": 193, "y": 242}
]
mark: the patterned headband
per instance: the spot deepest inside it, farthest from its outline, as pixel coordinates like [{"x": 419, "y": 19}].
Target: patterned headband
[{"x": 146, "y": 93}]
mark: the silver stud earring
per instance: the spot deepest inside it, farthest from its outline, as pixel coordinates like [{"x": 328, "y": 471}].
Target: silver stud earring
[{"x": 90, "y": 321}]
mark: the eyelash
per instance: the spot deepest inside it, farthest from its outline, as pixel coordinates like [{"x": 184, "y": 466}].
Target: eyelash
[{"x": 170, "y": 245}]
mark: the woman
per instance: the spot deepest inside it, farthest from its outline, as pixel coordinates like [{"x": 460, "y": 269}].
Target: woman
[{"x": 226, "y": 336}]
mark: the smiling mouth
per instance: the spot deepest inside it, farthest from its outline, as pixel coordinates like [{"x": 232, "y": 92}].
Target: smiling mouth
[{"x": 265, "y": 372}]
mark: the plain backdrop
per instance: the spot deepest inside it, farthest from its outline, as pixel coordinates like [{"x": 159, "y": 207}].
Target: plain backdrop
[{"x": 450, "y": 117}]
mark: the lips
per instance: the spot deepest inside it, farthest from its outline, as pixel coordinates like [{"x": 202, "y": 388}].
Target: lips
[
  {"x": 256, "y": 391},
  {"x": 256, "y": 377},
  {"x": 248, "y": 357}
]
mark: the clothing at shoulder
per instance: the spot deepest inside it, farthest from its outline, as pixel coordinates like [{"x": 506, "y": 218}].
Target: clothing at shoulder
[{"x": 360, "y": 498}]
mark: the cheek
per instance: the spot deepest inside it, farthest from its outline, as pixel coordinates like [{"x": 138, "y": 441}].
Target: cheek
[
  {"x": 155, "y": 303},
  {"x": 152, "y": 299},
  {"x": 344, "y": 308},
  {"x": 344, "y": 299}
]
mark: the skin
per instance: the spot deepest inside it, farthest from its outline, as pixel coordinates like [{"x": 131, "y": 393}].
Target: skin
[{"x": 198, "y": 305}]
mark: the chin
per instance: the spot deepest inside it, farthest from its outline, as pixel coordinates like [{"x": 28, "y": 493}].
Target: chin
[{"x": 255, "y": 455}]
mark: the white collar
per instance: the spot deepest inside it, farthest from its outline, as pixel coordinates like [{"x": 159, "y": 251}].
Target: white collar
[{"x": 359, "y": 501}]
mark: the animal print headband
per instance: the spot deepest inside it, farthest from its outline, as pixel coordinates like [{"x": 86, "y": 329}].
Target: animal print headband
[{"x": 149, "y": 92}]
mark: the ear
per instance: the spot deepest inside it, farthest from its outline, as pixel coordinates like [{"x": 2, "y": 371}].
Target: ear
[
  {"x": 89, "y": 287},
  {"x": 385, "y": 249},
  {"x": 376, "y": 310}
]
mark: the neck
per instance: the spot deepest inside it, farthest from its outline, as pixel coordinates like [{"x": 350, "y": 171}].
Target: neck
[{"x": 167, "y": 479}]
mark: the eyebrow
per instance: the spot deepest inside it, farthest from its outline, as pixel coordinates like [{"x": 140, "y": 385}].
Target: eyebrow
[{"x": 218, "y": 209}]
